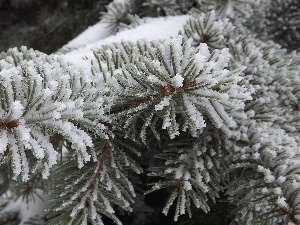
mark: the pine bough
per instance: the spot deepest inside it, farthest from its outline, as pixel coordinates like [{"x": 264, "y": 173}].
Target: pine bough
[{"x": 225, "y": 102}]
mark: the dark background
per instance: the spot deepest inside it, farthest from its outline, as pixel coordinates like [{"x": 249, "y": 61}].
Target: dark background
[{"x": 46, "y": 25}]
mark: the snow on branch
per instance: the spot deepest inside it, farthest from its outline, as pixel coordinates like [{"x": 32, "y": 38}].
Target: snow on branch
[
  {"x": 93, "y": 190},
  {"x": 192, "y": 171},
  {"x": 41, "y": 97},
  {"x": 173, "y": 78}
]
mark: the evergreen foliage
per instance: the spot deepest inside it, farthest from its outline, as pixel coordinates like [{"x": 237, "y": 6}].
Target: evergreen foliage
[
  {"x": 207, "y": 118},
  {"x": 29, "y": 82}
]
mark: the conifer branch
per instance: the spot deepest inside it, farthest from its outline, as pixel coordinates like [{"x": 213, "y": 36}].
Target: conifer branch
[
  {"x": 161, "y": 93},
  {"x": 192, "y": 171},
  {"x": 99, "y": 168},
  {"x": 42, "y": 97},
  {"x": 227, "y": 97}
]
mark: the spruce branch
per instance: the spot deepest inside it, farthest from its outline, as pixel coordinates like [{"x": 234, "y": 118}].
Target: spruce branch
[
  {"x": 221, "y": 100},
  {"x": 163, "y": 7},
  {"x": 41, "y": 97},
  {"x": 96, "y": 187},
  {"x": 230, "y": 8},
  {"x": 207, "y": 28},
  {"x": 172, "y": 79},
  {"x": 117, "y": 14},
  {"x": 193, "y": 170},
  {"x": 270, "y": 178},
  {"x": 134, "y": 21}
]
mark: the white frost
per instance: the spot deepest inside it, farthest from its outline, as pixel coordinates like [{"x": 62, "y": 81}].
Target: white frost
[
  {"x": 177, "y": 81},
  {"x": 163, "y": 103}
]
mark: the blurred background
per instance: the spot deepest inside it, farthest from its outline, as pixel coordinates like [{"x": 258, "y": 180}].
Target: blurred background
[{"x": 46, "y": 25}]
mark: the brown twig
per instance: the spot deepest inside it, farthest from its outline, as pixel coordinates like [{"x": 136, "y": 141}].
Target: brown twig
[
  {"x": 163, "y": 92},
  {"x": 104, "y": 152},
  {"x": 291, "y": 214},
  {"x": 9, "y": 125}
]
